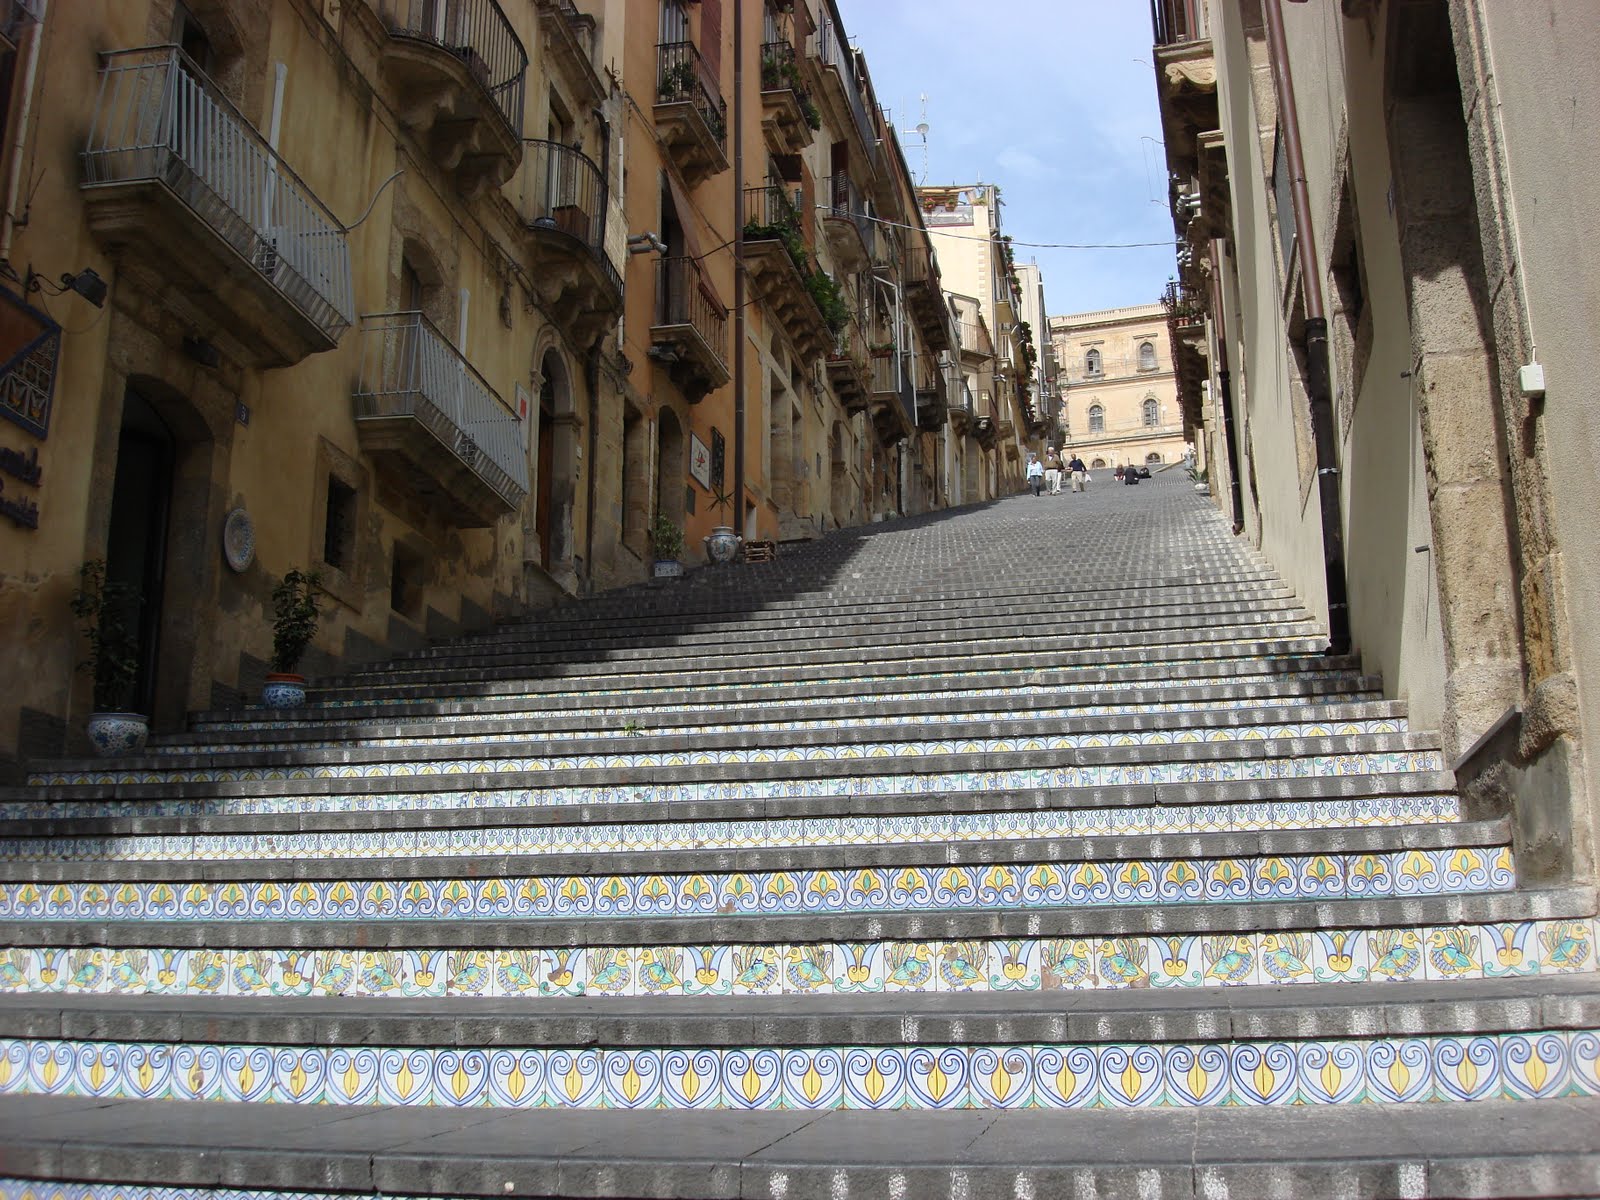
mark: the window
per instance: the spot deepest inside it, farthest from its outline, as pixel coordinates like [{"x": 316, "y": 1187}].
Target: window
[
  {"x": 1091, "y": 363},
  {"x": 1152, "y": 412},
  {"x": 1097, "y": 419},
  {"x": 1098, "y": 463},
  {"x": 1152, "y": 458},
  {"x": 1147, "y": 357},
  {"x": 339, "y": 531}
]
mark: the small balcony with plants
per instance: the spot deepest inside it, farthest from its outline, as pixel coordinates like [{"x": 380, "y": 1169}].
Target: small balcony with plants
[
  {"x": 847, "y": 368},
  {"x": 789, "y": 116},
  {"x": 806, "y": 300},
  {"x": 690, "y": 114},
  {"x": 561, "y": 195},
  {"x": 433, "y": 427},
  {"x": 848, "y": 224},
  {"x": 459, "y": 75},
  {"x": 180, "y": 186},
  {"x": 690, "y": 336},
  {"x": 925, "y": 296}
]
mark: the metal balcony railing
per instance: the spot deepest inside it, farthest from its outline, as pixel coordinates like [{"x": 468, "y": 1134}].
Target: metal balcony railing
[
  {"x": 921, "y": 267},
  {"x": 683, "y": 76},
  {"x": 682, "y": 299},
  {"x": 479, "y": 34},
  {"x": 846, "y": 202},
  {"x": 975, "y": 338},
  {"x": 849, "y": 345},
  {"x": 582, "y": 29},
  {"x": 409, "y": 369},
  {"x": 778, "y": 66},
  {"x": 1174, "y": 21},
  {"x": 829, "y": 48},
  {"x": 158, "y": 118},
  {"x": 563, "y": 189},
  {"x": 771, "y": 207}
]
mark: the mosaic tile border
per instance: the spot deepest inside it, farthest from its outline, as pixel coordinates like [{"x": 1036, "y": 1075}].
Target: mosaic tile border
[
  {"x": 620, "y": 837},
  {"x": 951, "y": 888},
  {"x": 836, "y": 752},
  {"x": 1386, "y": 1070},
  {"x": 37, "y": 1189},
  {"x": 1398, "y": 955}
]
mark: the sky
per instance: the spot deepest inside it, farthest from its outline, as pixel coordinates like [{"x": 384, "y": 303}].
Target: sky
[{"x": 1054, "y": 101}]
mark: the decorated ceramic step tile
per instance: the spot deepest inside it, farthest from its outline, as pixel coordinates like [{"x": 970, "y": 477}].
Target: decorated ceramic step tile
[
  {"x": 1397, "y": 1070},
  {"x": 900, "y": 829},
  {"x": 950, "y": 888},
  {"x": 34, "y": 1189},
  {"x": 1487, "y": 951}
]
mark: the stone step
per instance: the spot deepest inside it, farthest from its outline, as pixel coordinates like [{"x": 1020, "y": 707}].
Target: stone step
[
  {"x": 1349, "y": 800},
  {"x": 901, "y": 657},
  {"x": 1444, "y": 939},
  {"x": 1536, "y": 1042},
  {"x": 504, "y": 783},
  {"x": 586, "y": 832},
  {"x": 854, "y": 740},
  {"x": 907, "y": 1018},
  {"x": 1490, "y": 1148},
  {"x": 856, "y": 881},
  {"x": 922, "y": 716},
  {"x": 842, "y": 699}
]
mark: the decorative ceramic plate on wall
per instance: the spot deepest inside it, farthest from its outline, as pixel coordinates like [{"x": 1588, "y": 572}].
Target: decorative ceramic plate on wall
[{"x": 239, "y": 540}]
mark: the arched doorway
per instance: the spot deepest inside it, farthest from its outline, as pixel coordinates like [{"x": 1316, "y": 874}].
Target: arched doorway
[{"x": 554, "y": 463}]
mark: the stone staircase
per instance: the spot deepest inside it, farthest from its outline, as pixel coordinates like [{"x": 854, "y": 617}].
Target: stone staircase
[{"x": 835, "y": 876}]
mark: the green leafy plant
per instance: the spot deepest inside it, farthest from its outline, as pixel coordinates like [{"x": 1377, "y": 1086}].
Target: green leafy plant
[
  {"x": 632, "y": 729},
  {"x": 296, "y": 609},
  {"x": 666, "y": 537},
  {"x": 830, "y": 299},
  {"x": 107, "y": 613},
  {"x": 723, "y": 501}
]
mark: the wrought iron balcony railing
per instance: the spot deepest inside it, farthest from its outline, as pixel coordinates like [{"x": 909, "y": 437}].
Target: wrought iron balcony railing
[
  {"x": 684, "y": 76},
  {"x": 159, "y": 119},
  {"x": 409, "y": 369},
  {"x": 475, "y": 31},
  {"x": 771, "y": 207},
  {"x": 1174, "y": 21},
  {"x": 562, "y": 189},
  {"x": 846, "y": 202},
  {"x": 681, "y": 300},
  {"x": 830, "y": 49}
]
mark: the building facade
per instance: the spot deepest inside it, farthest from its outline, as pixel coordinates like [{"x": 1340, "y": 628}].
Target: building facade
[
  {"x": 1119, "y": 400},
  {"x": 449, "y": 304},
  {"x": 1386, "y": 352}
]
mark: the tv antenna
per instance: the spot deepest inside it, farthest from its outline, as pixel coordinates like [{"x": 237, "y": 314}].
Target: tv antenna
[{"x": 921, "y": 132}]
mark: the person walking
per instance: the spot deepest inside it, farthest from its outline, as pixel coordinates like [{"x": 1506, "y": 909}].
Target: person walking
[
  {"x": 1079, "y": 473},
  {"x": 1035, "y": 474},
  {"x": 1052, "y": 471}
]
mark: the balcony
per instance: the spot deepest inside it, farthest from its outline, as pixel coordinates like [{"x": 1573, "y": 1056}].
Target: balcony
[
  {"x": 893, "y": 403},
  {"x": 561, "y": 195},
  {"x": 850, "y": 232},
  {"x": 433, "y": 427},
  {"x": 789, "y": 117},
  {"x": 570, "y": 37},
  {"x": 458, "y": 71},
  {"x": 775, "y": 257},
  {"x": 962, "y": 414},
  {"x": 830, "y": 65},
  {"x": 847, "y": 369},
  {"x": 690, "y": 113},
  {"x": 975, "y": 341},
  {"x": 925, "y": 296},
  {"x": 689, "y": 338},
  {"x": 932, "y": 395},
  {"x": 180, "y": 184},
  {"x": 986, "y": 431}
]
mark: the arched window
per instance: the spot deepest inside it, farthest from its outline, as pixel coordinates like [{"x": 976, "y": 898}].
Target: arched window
[
  {"x": 1098, "y": 463},
  {"x": 1152, "y": 411},
  {"x": 1147, "y": 357},
  {"x": 1152, "y": 458},
  {"x": 1091, "y": 363},
  {"x": 1097, "y": 419}
]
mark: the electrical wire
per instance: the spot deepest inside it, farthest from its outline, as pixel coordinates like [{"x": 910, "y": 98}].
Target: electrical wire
[{"x": 975, "y": 237}]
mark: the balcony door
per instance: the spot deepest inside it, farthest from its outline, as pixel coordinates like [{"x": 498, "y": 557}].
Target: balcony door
[{"x": 136, "y": 546}]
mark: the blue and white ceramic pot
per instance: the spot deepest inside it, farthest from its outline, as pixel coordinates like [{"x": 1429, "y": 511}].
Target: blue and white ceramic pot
[
  {"x": 114, "y": 733},
  {"x": 722, "y": 544},
  {"x": 283, "y": 690}
]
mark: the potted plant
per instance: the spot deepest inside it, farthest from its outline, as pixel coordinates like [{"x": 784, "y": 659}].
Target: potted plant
[
  {"x": 295, "y": 610},
  {"x": 107, "y": 613},
  {"x": 667, "y": 539},
  {"x": 722, "y": 543}
]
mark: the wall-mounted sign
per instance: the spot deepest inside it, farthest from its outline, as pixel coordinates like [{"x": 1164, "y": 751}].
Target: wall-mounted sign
[
  {"x": 699, "y": 461},
  {"x": 20, "y": 509},
  {"x": 30, "y": 349}
]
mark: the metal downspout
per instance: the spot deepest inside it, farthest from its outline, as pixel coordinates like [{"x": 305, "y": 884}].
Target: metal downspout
[
  {"x": 738, "y": 269},
  {"x": 1230, "y": 435},
  {"x": 1318, "y": 376}
]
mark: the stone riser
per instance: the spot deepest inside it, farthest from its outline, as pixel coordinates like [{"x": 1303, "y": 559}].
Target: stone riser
[
  {"x": 1311, "y": 689},
  {"x": 1037, "y": 887},
  {"x": 682, "y": 749},
  {"x": 307, "y": 795},
  {"x": 1513, "y": 1066},
  {"x": 857, "y": 831},
  {"x": 979, "y": 966},
  {"x": 1343, "y": 720}
]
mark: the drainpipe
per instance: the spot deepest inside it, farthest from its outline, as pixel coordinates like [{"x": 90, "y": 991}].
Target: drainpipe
[
  {"x": 591, "y": 380},
  {"x": 1318, "y": 375},
  {"x": 738, "y": 268},
  {"x": 1230, "y": 435},
  {"x": 8, "y": 222}
]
